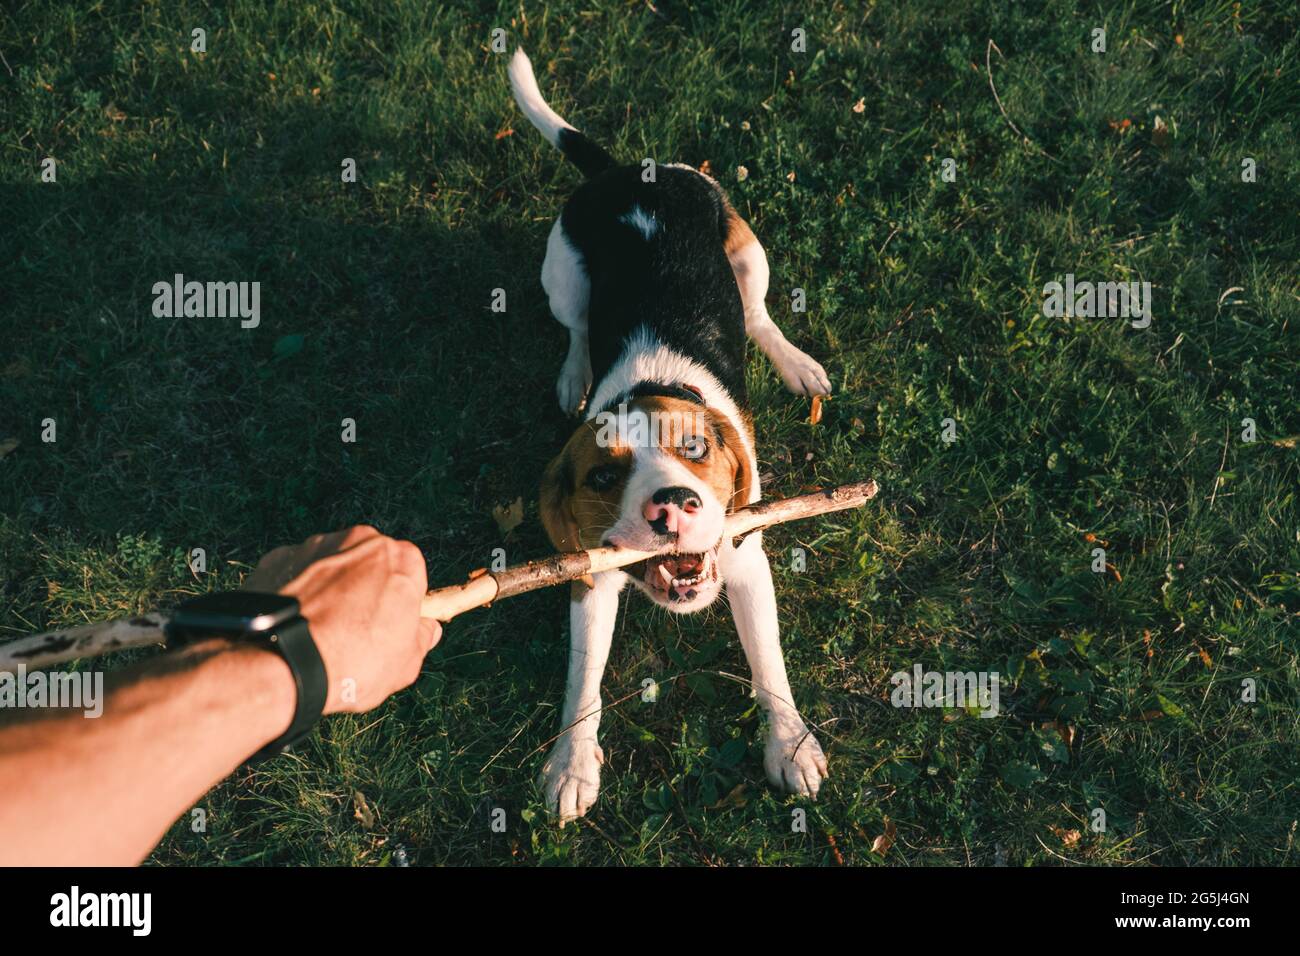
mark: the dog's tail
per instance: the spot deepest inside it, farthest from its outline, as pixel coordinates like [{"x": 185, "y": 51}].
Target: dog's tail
[{"x": 577, "y": 148}]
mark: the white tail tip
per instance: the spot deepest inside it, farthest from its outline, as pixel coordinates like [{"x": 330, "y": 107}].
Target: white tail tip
[{"x": 529, "y": 98}]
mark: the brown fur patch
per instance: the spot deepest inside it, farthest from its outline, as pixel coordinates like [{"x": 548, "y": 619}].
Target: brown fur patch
[{"x": 736, "y": 233}]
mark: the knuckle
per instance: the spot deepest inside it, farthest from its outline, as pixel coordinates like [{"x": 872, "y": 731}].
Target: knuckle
[{"x": 358, "y": 533}]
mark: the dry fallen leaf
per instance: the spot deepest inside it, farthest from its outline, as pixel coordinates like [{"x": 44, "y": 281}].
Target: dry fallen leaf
[
  {"x": 706, "y": 168},
  {"x": 504, "y": 133},
  {"x": 835, "y": 849},
  {"x": 860, "y": 106},
  {"x": 1068, "y": 837},
  {"x": 1205, "y": 655},
  {"x": 508, "y": 517},
  {"x": 736, "y": 798},
  {"x": 742, "y": 173},
  {"x": 816, "y": 415},
  {"x": 882, "y": 843},
  {"x": 361, "y": 810}
]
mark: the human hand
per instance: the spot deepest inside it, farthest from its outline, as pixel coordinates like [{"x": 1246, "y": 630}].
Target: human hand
[{"x": 360, "y": 592}]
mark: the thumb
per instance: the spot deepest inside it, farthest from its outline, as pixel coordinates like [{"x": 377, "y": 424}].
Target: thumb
[{"x": 430, "y": 633}]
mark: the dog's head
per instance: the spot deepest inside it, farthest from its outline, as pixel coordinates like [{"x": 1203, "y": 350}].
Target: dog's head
[{"x": 657, "y": 473}]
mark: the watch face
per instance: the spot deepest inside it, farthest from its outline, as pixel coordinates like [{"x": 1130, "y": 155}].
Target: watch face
[{"x": 236, "y": 611}]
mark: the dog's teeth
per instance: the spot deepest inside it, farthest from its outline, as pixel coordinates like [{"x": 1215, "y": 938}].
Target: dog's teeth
[{"x": 663, "y": 573}]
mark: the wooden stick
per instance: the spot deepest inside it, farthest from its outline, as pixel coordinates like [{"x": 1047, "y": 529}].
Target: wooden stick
[{"x": 483, "y": 587}]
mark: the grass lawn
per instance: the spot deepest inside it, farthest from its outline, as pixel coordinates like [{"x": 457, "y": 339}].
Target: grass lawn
[{"x": 1121, "y": 691}]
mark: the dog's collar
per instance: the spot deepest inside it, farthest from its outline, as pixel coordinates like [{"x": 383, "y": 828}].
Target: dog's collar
[{"x": 682, "y": 390}]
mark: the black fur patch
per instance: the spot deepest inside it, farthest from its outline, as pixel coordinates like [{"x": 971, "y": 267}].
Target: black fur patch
[
  {"x": 678, "y": 283},
  {"x": 642, "y": 389},
  {"x": 584, "y": 153}
]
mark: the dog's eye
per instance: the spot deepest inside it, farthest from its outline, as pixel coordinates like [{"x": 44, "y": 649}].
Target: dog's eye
[
  {"x": 602, "y": 479},
  {"x": 694, "y": 449}
]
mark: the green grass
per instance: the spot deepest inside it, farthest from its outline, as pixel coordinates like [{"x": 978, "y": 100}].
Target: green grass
[{"x": 924, "y": 304}]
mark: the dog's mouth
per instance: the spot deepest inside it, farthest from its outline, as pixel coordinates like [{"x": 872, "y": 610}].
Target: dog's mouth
[{"x": 679, "y": 577}]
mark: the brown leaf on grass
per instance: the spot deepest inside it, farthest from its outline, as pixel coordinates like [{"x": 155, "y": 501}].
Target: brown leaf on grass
[
  {"x": 1066, "y": 733},
  {"x": 1146, "y": 639},
  {"x": 815, "y": 415},
  {"x": 361, "y": 810},
  {"x": 1068, "y": 838},
  {"x": 504, "y": 133},
  {"x": 508, "y": 517},
  {"x": 860, "y": 106},
  {"x": 1148, "y": 715},
  {"x": 882, "y": 843},
  {"x": 1205, "y": 655},
  {"x": 706, "y": 168},
  {"x": 8, "y": 445},
  {"x": 839, "y": 857},
  {"x": 736, "y": 798}
]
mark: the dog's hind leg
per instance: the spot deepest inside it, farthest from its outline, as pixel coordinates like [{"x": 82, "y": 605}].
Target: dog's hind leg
[
  {"x": 564, "y": 277},
  {"x": 801, "y": 374}
]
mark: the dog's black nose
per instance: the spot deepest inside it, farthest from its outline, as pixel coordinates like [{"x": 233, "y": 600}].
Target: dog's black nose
[
  {"x": 669, "y": 509},
  {"x": 683, "y": 498}
]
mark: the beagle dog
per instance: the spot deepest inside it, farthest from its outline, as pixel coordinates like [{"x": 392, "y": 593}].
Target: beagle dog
[{"x": 659, "y": 281}]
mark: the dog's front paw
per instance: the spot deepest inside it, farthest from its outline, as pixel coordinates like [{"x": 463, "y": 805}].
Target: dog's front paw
[
  {"x": 571, "y": 777},
  {"x": 802, "y": 374},
  {"x": 571, "y": 387},
  {"x": 794, "y": 760}
]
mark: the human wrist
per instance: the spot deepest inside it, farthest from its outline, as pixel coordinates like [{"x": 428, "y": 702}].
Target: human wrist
[{"x": 259, "y": 678}]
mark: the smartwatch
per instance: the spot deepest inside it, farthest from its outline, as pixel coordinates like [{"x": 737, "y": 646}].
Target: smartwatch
[{"x": 264, "y": 620}]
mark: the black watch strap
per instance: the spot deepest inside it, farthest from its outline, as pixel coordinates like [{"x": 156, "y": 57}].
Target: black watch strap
[{"x": 294, "y": 642}]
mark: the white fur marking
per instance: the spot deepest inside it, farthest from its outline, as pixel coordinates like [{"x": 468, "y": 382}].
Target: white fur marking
[
  {"x": 640, "y": 220},
  {"x": 529, "y": 98},
  {"x": 646, "y": 359}
]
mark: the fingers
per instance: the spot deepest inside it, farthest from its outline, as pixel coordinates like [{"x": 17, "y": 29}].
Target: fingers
[{"x": 281, "y": 565}]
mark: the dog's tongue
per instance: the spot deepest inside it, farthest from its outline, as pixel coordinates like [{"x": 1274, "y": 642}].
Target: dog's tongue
[
  {"x": 661, "y": 570},
  {"x": 687, "y": 564}
]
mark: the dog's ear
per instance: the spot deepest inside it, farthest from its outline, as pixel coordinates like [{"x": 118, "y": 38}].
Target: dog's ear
[
  {"x": 742, "y": 481},
  {"x": 555, "y": 503}
]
